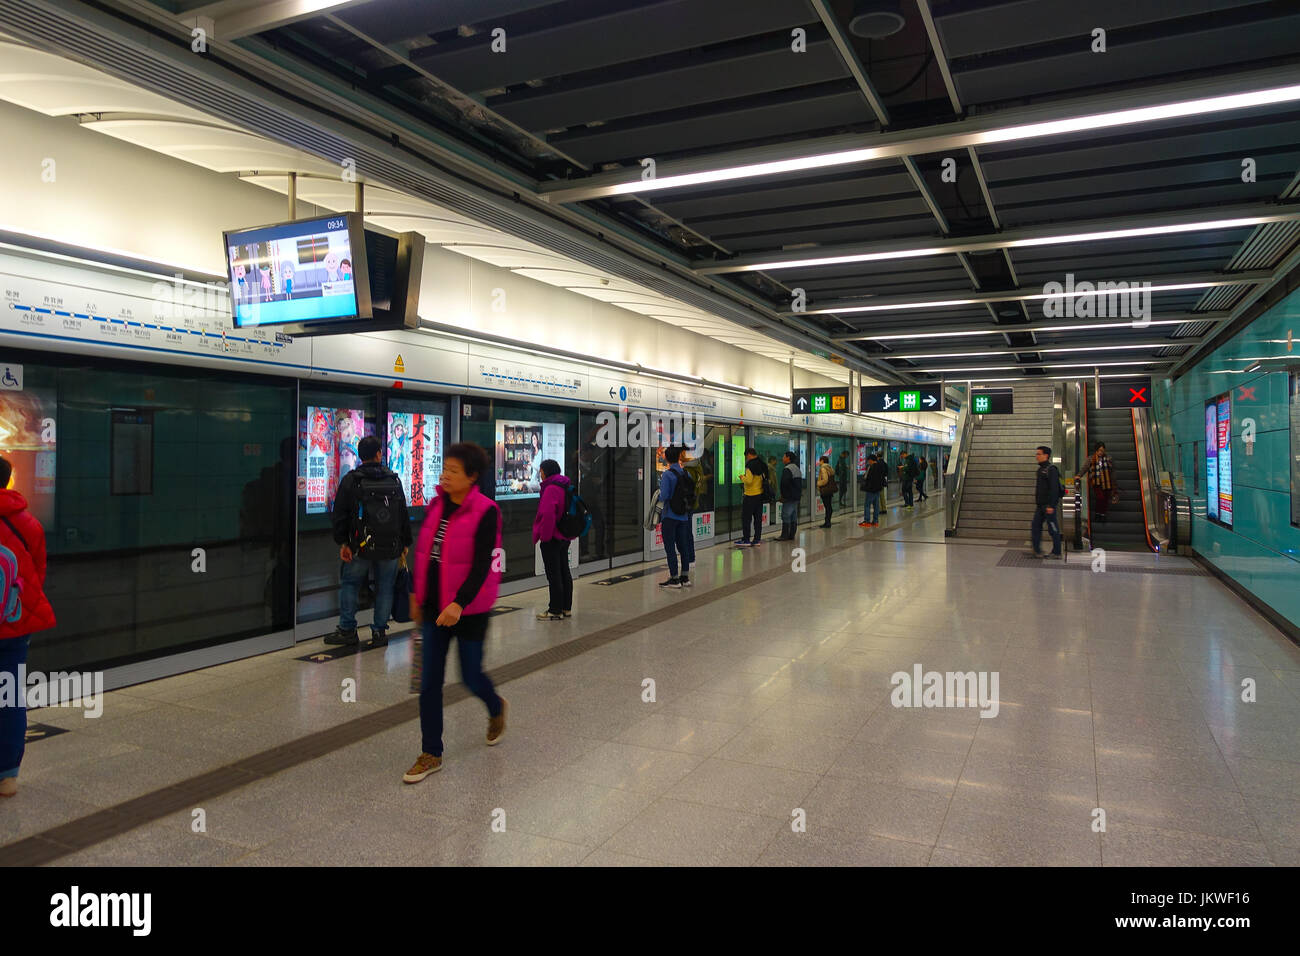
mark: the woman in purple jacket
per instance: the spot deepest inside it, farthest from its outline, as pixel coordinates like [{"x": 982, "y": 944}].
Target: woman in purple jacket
[{"x": 554, "y": 546}]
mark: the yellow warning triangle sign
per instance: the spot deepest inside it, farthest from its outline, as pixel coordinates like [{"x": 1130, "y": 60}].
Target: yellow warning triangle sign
[{"x": 399, "y": 365}]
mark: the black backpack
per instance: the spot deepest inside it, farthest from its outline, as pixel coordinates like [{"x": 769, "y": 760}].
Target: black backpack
[
  {"x": 377, "y": 524},
  {"x": 575, "y": 521},
  {"x": 683, "y": 497}
]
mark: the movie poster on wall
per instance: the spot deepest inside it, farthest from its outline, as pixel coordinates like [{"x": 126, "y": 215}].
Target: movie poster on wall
[
  {"x": 327, "y": 450},
  {"x": 521, "y": 447},
  {"x": 415, "y": 453},
  {"x": 28, "y": 440}
]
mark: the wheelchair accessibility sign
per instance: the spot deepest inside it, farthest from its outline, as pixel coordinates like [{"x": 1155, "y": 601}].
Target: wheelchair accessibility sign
[{"x": 11, "y": 378}]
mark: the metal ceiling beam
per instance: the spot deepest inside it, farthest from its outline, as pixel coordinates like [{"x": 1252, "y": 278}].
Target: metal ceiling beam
[
  {"x": 968, "y": 331},
  {"x": 886, "y": 303},
  {"x": 1284, "y": 267},
  {"x": 1025, "y": 236},
  {"x": 1020, "y": 124}
]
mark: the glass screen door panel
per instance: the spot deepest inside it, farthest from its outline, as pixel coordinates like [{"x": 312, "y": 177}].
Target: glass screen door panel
[{"x": 330, "y": 423}]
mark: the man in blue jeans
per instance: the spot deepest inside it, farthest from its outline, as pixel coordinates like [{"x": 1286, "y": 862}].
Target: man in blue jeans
[
  {"x": 1047, "y": 504},
  {"x": 373, "y": 532},
  {"x": 677, "y": 491},
  {"x": 873, "y": 483}
]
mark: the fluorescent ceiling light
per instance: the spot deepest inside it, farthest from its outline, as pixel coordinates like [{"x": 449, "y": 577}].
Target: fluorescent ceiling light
[
  {"x": 1013, "y": 368},
  {"x": 1134, "y": 233},
  {"x": 1082, "y": 326},
  {"x": 1027, "y": 297},
  {"x": 1039, "y": 378},
  {"x": 1076, "y": 124},
  {"x": 1039, "y": 348}
]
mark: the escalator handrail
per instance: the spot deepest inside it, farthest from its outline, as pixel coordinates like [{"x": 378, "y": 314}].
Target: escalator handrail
[
  {"x": 954, "y": 478},
  {"x": 1147, "y": 480}
]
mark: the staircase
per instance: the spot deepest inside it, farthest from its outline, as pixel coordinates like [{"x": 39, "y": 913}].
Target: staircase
[
  {"x": 998, "y": 498},
  {"x": 1125, "y": 526}
]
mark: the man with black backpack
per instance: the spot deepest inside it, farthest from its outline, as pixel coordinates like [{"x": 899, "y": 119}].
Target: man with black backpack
[
  {"x": 1048, "y": 492},
  {"x": 677, "y": 492},
  {"x": 373, "y": 532}
]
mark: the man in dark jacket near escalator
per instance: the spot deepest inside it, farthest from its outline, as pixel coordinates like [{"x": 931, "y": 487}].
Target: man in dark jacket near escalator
[{"x": 1047, "y": 499}]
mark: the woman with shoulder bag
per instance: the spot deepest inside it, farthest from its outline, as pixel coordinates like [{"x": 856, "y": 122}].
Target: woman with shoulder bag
[
  {"x": 1100, "y": 471},
  {"x": 826, "y": 486}
]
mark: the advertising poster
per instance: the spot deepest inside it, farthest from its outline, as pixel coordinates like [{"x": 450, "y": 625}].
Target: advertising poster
[
  {"x": 862, "y": 459},
  {"x": 703, "y": 525},
  {"x": 28, "y": 439},
  {"x": 327, "y": 450},
  {"x": 1225, "y": 460},
  {"x": 415, "y": 452},
  {"x": 521, "y": 447},
  {"x": 1212, "y": 461}
]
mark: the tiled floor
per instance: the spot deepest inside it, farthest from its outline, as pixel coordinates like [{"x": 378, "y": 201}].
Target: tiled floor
[{"x": 771, "y": 709}]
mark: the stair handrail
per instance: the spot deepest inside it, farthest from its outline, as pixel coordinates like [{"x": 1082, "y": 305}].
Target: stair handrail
[{"x": 954, "y": 479}]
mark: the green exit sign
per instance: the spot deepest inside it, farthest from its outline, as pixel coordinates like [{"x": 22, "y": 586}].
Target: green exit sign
[
  {"x": 909, "y": 401},
  {"x": 982, "y": 403}
]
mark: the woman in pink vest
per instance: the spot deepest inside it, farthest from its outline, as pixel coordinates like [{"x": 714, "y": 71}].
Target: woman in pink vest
[{"x": 456, "y": 583}]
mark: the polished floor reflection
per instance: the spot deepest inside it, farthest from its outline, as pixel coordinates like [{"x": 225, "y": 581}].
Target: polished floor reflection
[{"x": 771, "y": 738}]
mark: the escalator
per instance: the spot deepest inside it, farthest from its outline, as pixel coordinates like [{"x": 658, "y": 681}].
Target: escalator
[{"x": 1124, "y": 528}]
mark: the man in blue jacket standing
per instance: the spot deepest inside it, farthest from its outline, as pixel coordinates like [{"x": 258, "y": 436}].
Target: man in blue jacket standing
[{"x": 677, "y": 492}]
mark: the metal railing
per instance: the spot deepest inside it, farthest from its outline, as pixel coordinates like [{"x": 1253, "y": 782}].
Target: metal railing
[
  {"x": 1174, "y": 515},
  {"x": 954, "y": 479}
]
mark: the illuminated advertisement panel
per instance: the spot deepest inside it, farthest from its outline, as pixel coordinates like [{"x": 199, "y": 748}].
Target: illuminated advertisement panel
[
  {"x": 1225, "y": 459},
  {"x": 1212, "y": 461}
]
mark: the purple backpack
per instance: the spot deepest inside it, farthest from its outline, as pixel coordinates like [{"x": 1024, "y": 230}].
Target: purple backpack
[{"x": 11, "y": 587}]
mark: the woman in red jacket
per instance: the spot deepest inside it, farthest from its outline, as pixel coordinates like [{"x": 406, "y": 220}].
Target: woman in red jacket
[
  {"x": 24, "y": 610},
  {"x": 456, "y": 583}
]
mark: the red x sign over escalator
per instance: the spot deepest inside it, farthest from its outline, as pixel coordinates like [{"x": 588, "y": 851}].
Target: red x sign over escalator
[
  {"x": 1246, "y": 394},
  {"x": 1137, "y": 396}
]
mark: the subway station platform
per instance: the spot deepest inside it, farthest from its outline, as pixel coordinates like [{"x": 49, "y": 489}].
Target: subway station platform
[{"x": 773, "y": 737}]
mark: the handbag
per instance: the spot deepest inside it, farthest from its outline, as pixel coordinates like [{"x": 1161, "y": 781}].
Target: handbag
[
  {"x": 402, "y": 587},
  {"x": 655, "y": 514}
]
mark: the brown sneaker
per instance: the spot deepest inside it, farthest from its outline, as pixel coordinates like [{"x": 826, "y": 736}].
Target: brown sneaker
[
  {"x": 424, "y": 765},
  {"x": 8, "y": 786},
  {"x": 497, "y": 725}
]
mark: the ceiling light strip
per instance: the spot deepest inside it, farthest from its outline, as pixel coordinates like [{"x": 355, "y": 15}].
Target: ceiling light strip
[{"x": 959, "y": 136}]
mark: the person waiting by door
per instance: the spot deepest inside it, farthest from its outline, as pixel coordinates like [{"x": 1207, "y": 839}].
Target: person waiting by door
[{"x": 554, "y": 545}]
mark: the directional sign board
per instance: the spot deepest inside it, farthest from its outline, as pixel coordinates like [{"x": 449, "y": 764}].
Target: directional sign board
[
  {"x": 917, "y": 398},
  {"x": 819, "y": 401},
  {"x": 992, "y": 401},
  {"x": 1129, "y": 393}
]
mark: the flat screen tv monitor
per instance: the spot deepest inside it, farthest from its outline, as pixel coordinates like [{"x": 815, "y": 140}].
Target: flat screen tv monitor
[{"x": 296, "y": 275}]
